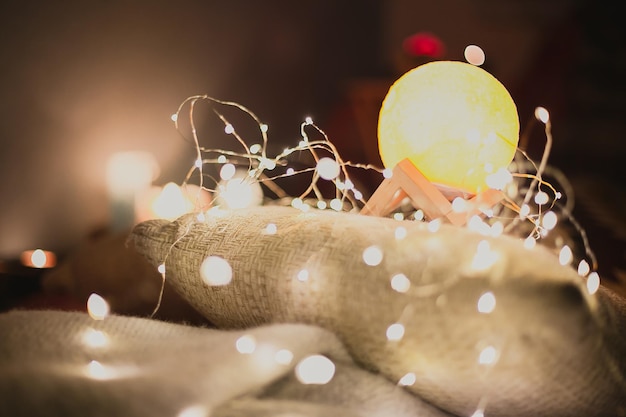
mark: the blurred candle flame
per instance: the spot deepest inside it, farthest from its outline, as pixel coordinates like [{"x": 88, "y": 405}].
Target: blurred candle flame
[{"x": 38, "y": 258}]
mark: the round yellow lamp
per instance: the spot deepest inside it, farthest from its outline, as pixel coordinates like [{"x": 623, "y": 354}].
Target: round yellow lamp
[{"x": 454, "y": 121}]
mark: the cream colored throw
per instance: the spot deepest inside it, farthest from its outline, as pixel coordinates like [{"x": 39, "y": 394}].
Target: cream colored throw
[
  {"x": 149, "y": 368},
  {"x": 407, "y": 302}
]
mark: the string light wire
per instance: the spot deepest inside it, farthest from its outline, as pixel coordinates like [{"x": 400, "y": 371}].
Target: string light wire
[
  {"x": 517, "y": 199},
  {"x": 346, "y": 196}
]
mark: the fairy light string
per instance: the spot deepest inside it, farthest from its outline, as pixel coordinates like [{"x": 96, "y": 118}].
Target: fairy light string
[
  {"x": 328, "y": 165},
  {"x": 532, "y": 207}
]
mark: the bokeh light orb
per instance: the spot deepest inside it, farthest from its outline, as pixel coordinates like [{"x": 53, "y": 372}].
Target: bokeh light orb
[{"x": 455, "y": 122}]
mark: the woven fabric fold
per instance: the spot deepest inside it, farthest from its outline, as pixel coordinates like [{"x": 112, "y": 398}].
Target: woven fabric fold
[
  {"x": 405, "y": 302},
  {"x": 51, "y": 365}
]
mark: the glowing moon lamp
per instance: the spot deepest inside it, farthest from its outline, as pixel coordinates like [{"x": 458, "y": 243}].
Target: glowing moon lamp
[{"x": 454, "y": 121}]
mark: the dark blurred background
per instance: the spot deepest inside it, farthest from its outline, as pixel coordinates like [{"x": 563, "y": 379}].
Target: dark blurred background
[{"x": 81, "y": 80}]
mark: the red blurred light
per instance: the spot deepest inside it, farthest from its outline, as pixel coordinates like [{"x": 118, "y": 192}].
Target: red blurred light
[{"x": 423, "y": 44}]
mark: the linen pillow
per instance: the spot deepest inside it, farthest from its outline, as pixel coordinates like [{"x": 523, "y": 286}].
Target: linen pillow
[{"x": 464, "y": 321}]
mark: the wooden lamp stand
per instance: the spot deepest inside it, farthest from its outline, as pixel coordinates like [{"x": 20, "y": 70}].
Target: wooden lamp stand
[{"x": 434, "y": 201}]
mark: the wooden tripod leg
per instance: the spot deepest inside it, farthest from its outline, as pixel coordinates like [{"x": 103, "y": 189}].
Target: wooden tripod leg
[
  {"x": 484, "y": 200},
  {"x": 387, "y": 197},
  {"x": 408, "y": 181}
]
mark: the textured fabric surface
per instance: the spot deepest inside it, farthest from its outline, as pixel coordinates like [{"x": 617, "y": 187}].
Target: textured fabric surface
[
  {"x": 153, "y": 368},
  {"x": 547, "y": 349},
  {"x": 130, "y": 285}
]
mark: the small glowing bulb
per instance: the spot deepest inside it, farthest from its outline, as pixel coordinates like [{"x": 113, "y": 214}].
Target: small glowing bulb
[
  {"x": 174, "y": 117},
  {"x": 486, "y": 211},
  {"x": 264, "y": 128},
  {"x": 459, "y": 205},
  {"x": 297, "y": 203},
  {"x": 398, "y": 216},
  {"x": 270, "y": 229},
  {"x": 336, "y": 204},
  {"x": 315, "y": 369},
  {"x": 372, "y": 255},
  {"x": 255, "y": 148},
  {"x": 593, "y": 283},
  {"x": 542, "y": 114},
  {"x": 387, "y": 173},
  {"x": 96, "y": 370},
  {"x": 499, "y": 179},
  {"x": 215, "y": 270},
  {"x": 245, "y": 345},
  {"x": 38, "y": 258},
  {"x": 303, "y": 275},
  {"x": 434, "y": 225},
  {"x": 497, "y": 229},
  {"x": 476, "y": 224},
  {"x": 400, "y": 283},
  {"x": 95, "y": 338},
  {"x": 227, "y": 171},
  {"x": 407, "y": 380},
  {"x": 541, "y": 198},
  {"x": 283, "y": 357},
  {"x": 488, "y": 356},
  {"x": 290, "y": 171},
  {"x": 419, "y": 215},
  {"x": 530, "y": 242},
  {"x": 400, "y": 233},
  {"x": 308, "y": 120},
  {"x": 222, "y": 159},
  {"x": 321, "y": 204},
  {"x": 328, "y": 168},
  {"x": 549, "y": 220},
  {"x": 487, "y": 303},
  {"x": 171, "y": 202},
  {"x": 474, "y": 55},
  {"x": 524, "y": 211},
  {"x": 484, "y": 257},
  {"x": 161, "y": 268},
  {"x": 239, "y": 192},
  {"x": 194, "y": 411},
  {"x": 267, "y": 163},
  {"x": 583, "y": 268},
  {"x": 229, "y": 129},
  {"x": 565, "y": 255},
  {"x": 97, "y": 307},
  {"x": 395, "y": 332}
]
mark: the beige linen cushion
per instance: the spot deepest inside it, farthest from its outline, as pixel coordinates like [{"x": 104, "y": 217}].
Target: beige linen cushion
[{"x": 547, "y": 349}]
